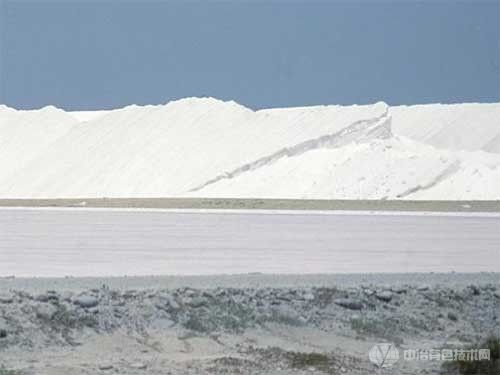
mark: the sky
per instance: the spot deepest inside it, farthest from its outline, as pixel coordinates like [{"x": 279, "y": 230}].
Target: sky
[{"x": 83, "y": 55}]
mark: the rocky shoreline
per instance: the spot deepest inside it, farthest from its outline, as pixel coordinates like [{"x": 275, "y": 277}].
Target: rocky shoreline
[{"x": 246, "y": 330}]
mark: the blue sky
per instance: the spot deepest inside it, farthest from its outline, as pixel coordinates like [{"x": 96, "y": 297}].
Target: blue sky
[{"x": 107, "y": 54}]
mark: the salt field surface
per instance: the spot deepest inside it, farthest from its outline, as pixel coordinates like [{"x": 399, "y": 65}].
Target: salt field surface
[{"x": 103, "y": 242}]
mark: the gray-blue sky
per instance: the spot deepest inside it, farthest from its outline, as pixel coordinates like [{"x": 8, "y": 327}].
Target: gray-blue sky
[{"x": 107, "y": 54}]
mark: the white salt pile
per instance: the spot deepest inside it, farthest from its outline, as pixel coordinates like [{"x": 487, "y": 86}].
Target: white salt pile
[{"x": 203, "y": 147}]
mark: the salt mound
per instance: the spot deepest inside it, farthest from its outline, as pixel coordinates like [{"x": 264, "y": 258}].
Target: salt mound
[{"x": 207, "y": 147}]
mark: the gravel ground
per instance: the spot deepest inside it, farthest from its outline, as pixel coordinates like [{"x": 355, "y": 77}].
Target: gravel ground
[
  {"x": 253, "y": 280},
  {"x": 287, "y": 204},
  {"x": 252, "y": 324}
]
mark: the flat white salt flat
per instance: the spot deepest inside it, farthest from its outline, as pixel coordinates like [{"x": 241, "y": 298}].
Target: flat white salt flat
[{"x": 103, "y": 242}]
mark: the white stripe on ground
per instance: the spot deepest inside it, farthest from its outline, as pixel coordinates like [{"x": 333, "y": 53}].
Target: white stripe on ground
[
  {"x": 264, "y": 211},
  {"x": 104, "y": 242}
]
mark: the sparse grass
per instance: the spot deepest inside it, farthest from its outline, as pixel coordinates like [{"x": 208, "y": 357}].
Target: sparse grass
[
  {"x": 325, "y": 296},
  {"x": 387, "y": 328},
  {"x": 65, "y": 319},
  {"x": 318, "y": 361},
  {"x": 233, "y": 365},
  {"x": 484, "y": 367},
  {"x": 229, "y": 316},
  {"x": 419, "y": 324},
  {"x": 198, "y": 324},
  {"x": 4, "y": 371},
  {"x": 300, "y": 360}
]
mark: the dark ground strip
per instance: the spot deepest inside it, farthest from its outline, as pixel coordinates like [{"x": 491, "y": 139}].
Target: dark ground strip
[{"x": 288, "y": 204}]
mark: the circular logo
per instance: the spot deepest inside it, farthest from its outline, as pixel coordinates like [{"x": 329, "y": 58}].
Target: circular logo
[{"x": 384, "y": 355}]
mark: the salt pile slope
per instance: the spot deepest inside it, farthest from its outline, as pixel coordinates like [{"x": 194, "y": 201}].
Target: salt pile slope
[
  {"x": 469, "y": 126},
  {"x": 396, "y": 168},
  {"x": 209, "y": 148},
  {"x": 172, "y": 149},
  {"x": 424, "y": 157},
  {"x": 26, "y": 135}
]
